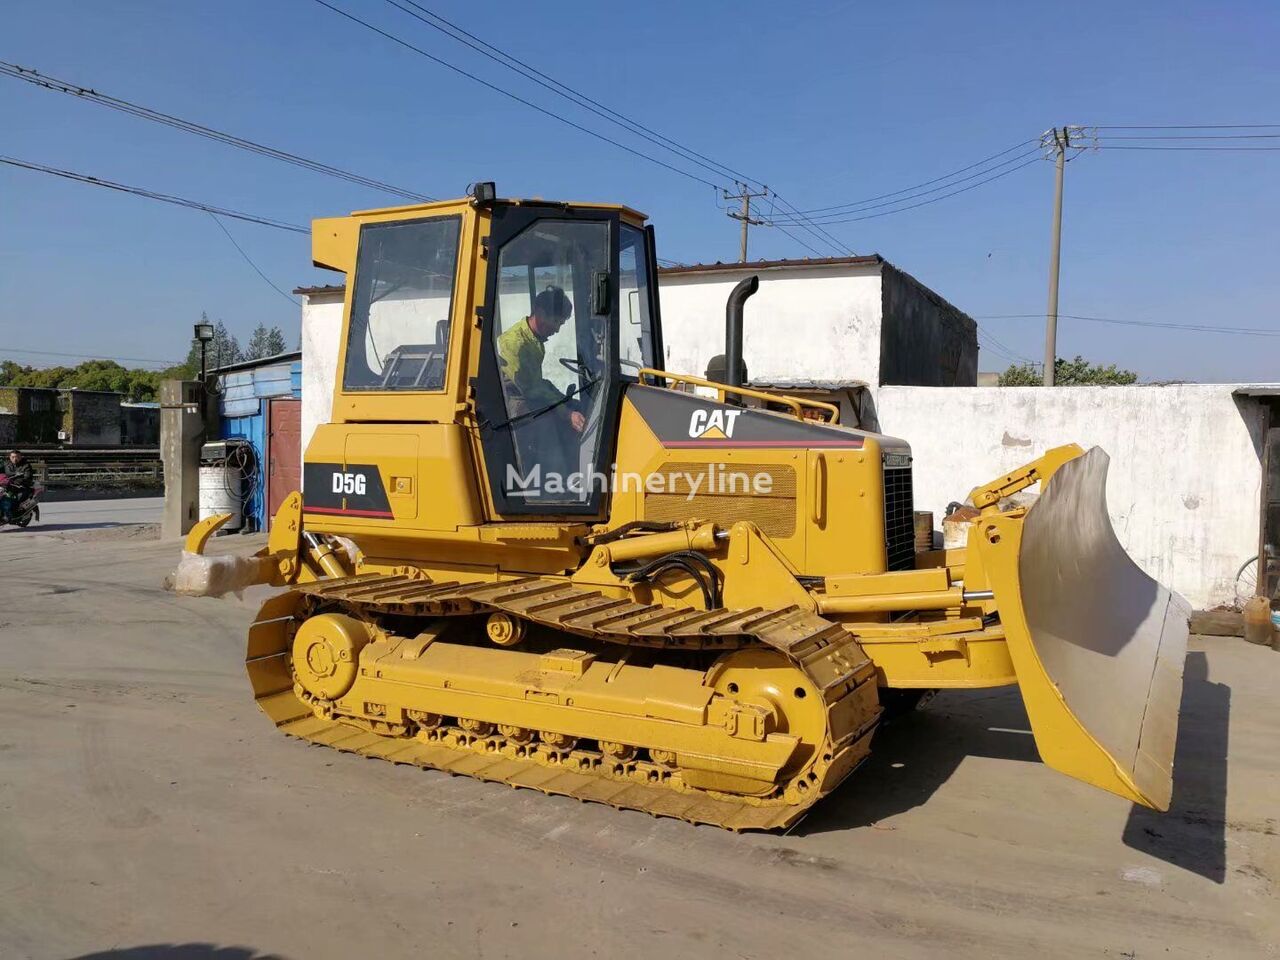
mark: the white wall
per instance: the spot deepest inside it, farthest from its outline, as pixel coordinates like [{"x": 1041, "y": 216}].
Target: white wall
[
  {"x": 1184, "y": 484},
  {"x": 819, "y": 323}
]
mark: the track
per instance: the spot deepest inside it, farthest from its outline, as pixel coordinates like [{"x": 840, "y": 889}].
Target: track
[{"x": 827, "y": 656}]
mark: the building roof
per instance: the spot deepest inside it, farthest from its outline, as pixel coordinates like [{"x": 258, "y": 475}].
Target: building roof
[
  {"x": 873, "y": 258},
  {"x": 289, "y": 357},
  {"x": 322, "y": 288}
]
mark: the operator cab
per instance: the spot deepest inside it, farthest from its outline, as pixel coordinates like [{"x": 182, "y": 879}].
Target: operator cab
[
  {"x": 571, "y": 317},
  {"x": 448, "y": 312}
]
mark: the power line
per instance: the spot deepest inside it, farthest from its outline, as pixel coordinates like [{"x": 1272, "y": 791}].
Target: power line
[
  {"x": 450, "y": 29},
  {"x": 1000, "y": 344},
  {"x": 1154, "y": 141},
  {"x": 240, "y": 250},
  {"x": 153, "y": 195},
  {"x": 1163, "y": 325},
  {"x": 1106, "y": 146},
  {"x": 455, "y": 32},
  {"x": 1000, "y": 349},
  {"x": 925, "y": 193},
  {"x": 807, "y": 246},
  {"x": 563, "y": 90},
  {"x": 925, "y": 203},
  {"x": 1198, "y": 136},
  {"x": 1194, "y": 126},
  {"x": 89, "y": 356},
  {"x": 927, "y": 183},
  {"x": 810, "y": 226},
  {"x": 146, "y": 113},
  {"x": 1191, "y": 327},
  {"x": 836, "y": 213},
  {"x": 507, "y": 93}
]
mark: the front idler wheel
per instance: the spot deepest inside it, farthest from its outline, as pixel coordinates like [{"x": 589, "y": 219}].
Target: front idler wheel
[{"x": 326, "y": 654}]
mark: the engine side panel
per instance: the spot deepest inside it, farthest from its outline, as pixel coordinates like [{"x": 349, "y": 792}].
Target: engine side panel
[{"x": 814, "y": 489}]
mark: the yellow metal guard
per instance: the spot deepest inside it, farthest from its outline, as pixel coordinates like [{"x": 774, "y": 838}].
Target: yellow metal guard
[{"x": 1098, "y": 646}]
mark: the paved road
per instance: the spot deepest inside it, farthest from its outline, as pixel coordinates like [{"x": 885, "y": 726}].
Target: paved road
[
  {"x": 144, "y": 800},
  {"x": 85, "y": 514}
]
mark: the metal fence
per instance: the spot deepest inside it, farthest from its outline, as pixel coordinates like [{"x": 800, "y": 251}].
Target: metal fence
[{"x": 103, "y": 468}]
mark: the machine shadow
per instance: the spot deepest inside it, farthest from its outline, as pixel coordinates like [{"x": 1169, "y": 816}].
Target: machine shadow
[
  {"x": 1192, "y": 835},
  {"x": 178, "y": 951},
  {"x": 919, "y": 751}
]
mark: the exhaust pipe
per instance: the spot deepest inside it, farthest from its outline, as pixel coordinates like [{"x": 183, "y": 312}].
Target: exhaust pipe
[{"x": 734, "y": 376}]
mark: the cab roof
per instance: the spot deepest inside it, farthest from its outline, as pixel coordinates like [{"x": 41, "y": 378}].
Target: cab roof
[{"x": 627, "y": 213}]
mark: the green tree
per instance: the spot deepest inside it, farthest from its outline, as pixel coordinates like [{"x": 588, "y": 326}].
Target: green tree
[
  {"x": 10, "y": 371},
  {"x": 135, "y": 384},
  {"x": 264, "y": 343},
  {"x": 1068, "y": 373}
]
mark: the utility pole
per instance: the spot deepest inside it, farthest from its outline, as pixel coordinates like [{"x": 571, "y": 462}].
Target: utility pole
[
  {"x": 744, "y": 214},
  {"x": 1060, "y": 142}
]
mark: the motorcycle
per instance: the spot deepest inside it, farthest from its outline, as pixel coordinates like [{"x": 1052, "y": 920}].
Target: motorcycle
[{"x": 21, "y": 512}]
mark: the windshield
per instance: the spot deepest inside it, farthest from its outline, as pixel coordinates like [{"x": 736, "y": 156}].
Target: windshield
[{"x": 399, "y": 332}]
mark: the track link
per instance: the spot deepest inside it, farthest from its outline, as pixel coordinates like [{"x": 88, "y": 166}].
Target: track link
[{"x": 823, "y": 651}]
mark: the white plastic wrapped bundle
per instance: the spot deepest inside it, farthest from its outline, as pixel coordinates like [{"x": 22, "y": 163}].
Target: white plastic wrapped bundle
[
  {"x": 349, "y": 548},
  {"x": 202, "y": 576}
]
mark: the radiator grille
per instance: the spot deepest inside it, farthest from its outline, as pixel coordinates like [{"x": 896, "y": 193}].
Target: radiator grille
[
  {"x": 729, "y": 499},
  {"x": 899, "y": 522}
]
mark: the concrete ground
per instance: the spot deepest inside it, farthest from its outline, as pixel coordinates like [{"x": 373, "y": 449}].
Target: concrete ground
[
  {"x": 148, "y": 810},
  {"x": 63, "y": 515}
]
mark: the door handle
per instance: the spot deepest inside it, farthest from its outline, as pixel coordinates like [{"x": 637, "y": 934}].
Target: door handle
[{"x": 817, "y": 511}]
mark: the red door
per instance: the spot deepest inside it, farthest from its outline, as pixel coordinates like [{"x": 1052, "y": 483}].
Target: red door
[{"x": 284, "y": 452}]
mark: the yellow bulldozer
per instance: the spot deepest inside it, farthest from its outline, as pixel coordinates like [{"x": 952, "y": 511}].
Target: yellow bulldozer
[{"x": 527, "y": 553}]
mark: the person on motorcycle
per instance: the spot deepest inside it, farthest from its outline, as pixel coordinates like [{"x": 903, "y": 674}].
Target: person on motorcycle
[{"x": 21, "y": 482}]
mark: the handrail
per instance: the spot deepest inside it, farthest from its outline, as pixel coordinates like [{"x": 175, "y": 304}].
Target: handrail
[{"x": 795, "y": 403}]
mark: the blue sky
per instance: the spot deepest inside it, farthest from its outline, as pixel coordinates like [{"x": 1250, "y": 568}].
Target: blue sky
[{"x": 826, "y": 102}]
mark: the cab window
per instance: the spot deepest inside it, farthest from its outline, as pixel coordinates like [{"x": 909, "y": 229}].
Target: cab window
[
  {"x": 398, "y": 338},
  {"x": 635, "y": 322}
]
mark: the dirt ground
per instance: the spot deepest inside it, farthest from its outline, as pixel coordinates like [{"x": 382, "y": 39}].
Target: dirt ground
[{"x": 148, "y": 810}]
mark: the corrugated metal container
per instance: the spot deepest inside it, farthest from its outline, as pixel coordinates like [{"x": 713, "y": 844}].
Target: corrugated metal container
[{"x": 243, "y": 406}]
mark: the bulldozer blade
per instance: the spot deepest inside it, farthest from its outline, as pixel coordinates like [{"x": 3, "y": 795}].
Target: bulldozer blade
[{"x": 1097, "y": 645}]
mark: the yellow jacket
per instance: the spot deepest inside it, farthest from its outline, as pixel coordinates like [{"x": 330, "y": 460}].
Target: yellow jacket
[{"x": 520, "y": 356}]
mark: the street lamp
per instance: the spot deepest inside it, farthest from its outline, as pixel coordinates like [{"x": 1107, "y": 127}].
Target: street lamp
[{"x": 204, "y": 333}]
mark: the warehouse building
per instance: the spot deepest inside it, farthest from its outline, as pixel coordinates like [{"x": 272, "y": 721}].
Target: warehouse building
[
  {"x": 832, "y": 319},
  {"x": 35, "y": 416}
]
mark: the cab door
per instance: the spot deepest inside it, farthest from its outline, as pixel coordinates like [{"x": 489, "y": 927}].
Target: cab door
[{"x": 548, "y": 400}]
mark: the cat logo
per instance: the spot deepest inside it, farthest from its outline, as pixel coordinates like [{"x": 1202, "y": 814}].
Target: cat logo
[{"x": 712, "y": 424}]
